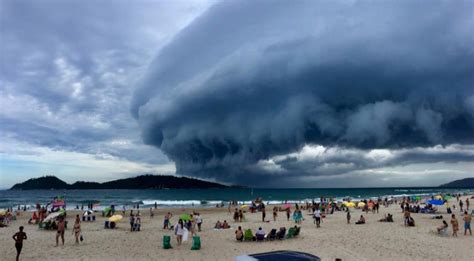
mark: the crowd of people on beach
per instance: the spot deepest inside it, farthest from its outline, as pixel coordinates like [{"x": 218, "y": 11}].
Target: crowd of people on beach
[{"x": 318, "y": 210}]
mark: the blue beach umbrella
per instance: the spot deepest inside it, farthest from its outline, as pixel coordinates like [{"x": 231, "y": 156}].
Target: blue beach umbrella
[{"x": 437, "y": 202}]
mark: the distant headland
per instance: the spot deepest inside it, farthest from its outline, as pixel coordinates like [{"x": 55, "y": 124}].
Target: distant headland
[
  {"x": 460, "y": 183},
  {"x": 139, "y": 182}
]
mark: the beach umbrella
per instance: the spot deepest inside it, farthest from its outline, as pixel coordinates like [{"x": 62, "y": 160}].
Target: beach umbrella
[
  {"x": 3, "y": 212},
  {"x": 435, "y": 202},
  {"x": 244, "y": 206},
  {"x": 287, "y": 205},
  {"x": 115, "y": 218},
  {"x": 185, "y": 217},
  {"x": 438, "y": 197},
  {"x": 52, "y": 216},
  {"x": 350, "y": 204},
  {"x": 361, "y": 204}
]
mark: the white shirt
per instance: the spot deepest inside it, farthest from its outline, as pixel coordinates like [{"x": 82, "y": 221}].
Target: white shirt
[{"x": 317, "y": 213}]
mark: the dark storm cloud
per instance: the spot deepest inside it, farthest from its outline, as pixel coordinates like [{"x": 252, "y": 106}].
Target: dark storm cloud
[{"x": 249, "y": 80}]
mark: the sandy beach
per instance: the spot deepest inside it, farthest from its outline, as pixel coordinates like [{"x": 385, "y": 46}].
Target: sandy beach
[{"x": 335, "y": 239}]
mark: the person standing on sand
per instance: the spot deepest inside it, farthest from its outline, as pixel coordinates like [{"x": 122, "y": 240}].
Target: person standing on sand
[
  {"x": 467, "y": 223},
  {"x": 262, "y": 208},
  {"x": 348, "y": 216},
  {"x": 19, "y": 237},
  {"x": 467, "y": 204},
  {"x": 275, "y": 213},
  {"x": 179, "y": 231},
  {"x": 77, "y": 229},
  {"x": 152, "y": 214},
  {"x": 288, "y": 213},
  {"x": 60, "y": 232},
  {"x": 406, "y": 216},
  {"x": 198, "y": 221},
  {"x": 455, "y": 225},
  {"x": 166, "y": 223},
  {"x": 461, "y": 203}
]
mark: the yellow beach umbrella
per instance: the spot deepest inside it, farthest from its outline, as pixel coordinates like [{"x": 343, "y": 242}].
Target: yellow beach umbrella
[
  {"x": 361, "y": 204},
  {"x": 350, "y": 204},
  {"x": 244, "y": 206},
  {"x": 438, "y": 197},
  {"x": 115, "y": 218}
]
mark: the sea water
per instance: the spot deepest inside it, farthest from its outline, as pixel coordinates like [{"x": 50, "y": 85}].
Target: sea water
[{"x": 203, "y": 197}]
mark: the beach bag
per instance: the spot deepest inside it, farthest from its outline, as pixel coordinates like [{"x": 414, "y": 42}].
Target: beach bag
[
  {"x": 196, "y": 243},
  {"x": 166, "y": 242}
]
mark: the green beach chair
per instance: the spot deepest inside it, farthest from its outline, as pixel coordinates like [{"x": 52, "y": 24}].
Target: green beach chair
[
  {"x": 196, "y": 243},
  {"x": 291, "y": 232},
  {"x": 248, "y": 235},
  {"x": 167, "y": 242}
]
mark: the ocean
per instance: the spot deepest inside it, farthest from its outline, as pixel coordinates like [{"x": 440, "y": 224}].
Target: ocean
[{"x": 204, "y": 197}]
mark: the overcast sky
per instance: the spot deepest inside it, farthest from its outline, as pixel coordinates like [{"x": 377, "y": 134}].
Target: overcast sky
[{"x": 262, "y": 93}]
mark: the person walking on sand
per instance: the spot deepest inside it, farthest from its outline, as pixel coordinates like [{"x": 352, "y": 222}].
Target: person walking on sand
[
  {"x": 461, "y": 203},
  {"x": 77, "y": 229},
  {"x": 348, "y": 216},
  {"x": 467, "y": 223},
  {"x": 19, "y": 237},
  {"x": 317, "y": 217},
  {"x": 455, "y": 225},
  {"x": 60, "y": 231}
]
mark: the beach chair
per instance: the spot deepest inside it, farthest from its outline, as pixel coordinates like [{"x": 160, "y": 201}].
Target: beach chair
[
  {"x": 196, "y": 243},
  {"x": 260, "y": 237},
  {"x": 272, "y": 234},
  {"x": 167, "y": 242},
  {"x": 281, "y": 234},
  {"x": 248, "y": 235},
  {"x": 291, "y": 232}
]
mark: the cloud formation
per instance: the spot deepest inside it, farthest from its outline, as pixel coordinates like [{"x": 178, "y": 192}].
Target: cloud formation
[{"x": 248, "y": 81}]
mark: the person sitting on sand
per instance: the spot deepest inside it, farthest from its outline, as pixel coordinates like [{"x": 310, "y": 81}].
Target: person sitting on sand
[
  {"x": 361, "y": 220},
  {"x": 225, "y": 225},
  {"x": 443, "y": 227},
  {"x": 239, "y": 234},
  {"x": 455, "y": 225},
  {"x": 467, "y": 222},
  {"x": 387, "y": 218},
  {"x": 260, "y": 234},
  {"x": 218, "y": 225}
]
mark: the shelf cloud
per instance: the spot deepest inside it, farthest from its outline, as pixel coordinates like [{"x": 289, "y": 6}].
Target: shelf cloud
[{"x": 248, "y": 81}]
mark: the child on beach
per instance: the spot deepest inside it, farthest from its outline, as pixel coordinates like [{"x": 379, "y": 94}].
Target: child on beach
[
  {"x": 361, "y": 220},
  {"x": 442, "y": 227},
  {"x": 19, "y": 237},
  {"x": 467, "y": 223},
  {"x": 455, "y": 225}
]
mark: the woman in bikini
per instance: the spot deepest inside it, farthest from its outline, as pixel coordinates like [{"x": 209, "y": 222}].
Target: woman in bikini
[{"x": 77, "y": 229}]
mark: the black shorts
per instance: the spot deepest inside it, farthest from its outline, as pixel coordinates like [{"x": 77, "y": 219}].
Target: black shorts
[{"x": 18, "y": 247}]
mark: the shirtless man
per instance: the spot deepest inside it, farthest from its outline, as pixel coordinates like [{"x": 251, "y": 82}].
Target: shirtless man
[
  {"x": 60, "y": 233},
  {"x": 19, "y": 237}
]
